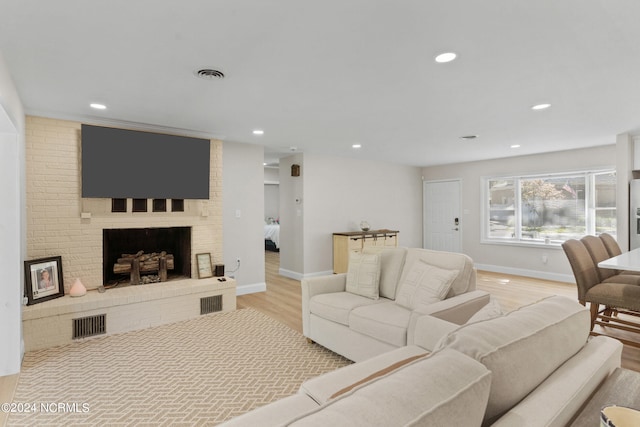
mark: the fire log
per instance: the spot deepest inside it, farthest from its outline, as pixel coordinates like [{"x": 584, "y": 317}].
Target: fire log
[{"x": 147, "y": 263}]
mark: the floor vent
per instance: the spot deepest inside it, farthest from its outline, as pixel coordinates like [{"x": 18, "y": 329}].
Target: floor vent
[
  {"x": 210, "y": 304},
  {"x": 89, "y": 326}
]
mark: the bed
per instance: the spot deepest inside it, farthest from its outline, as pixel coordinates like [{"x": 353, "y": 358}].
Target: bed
[{"x": 272, "y": 237}]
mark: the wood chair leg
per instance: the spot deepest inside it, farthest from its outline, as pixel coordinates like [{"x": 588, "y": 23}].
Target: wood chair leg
[{"x": 594, "y": 313}]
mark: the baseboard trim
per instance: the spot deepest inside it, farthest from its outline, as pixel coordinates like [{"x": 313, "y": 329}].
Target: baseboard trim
[
  {"x": 251, "y": 288},
  {"x": 557, "y": 277},
  {"x": 298, "y": 276},
  {"x": 290, "y": 274}
]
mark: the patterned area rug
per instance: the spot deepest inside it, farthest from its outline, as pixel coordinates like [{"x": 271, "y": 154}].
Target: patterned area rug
[{"x": 192, "y": 373}]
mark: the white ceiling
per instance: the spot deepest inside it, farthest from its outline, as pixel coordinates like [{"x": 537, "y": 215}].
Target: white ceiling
[{"x": 323, "y": 75}]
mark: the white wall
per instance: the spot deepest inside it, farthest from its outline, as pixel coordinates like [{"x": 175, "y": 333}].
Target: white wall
[
  {"x": 525, "y": 261},
  {"x": 291, "y": 217},
  {"x": 12, "y": 223},
  {"x": 336, "y": 194},
  {"x": 271, "y": 175},
  {"x": 243, "y": 214},
  {"x": 272, "y": 201}
]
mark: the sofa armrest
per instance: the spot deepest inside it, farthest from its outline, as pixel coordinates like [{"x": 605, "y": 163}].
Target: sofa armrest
[
  {"x": 324, "y": 284},
  {"x": 429, "y": 331},
  {"x": 561, "y": 396},
  {"x": 278, "y": 413},
  {"x": 324, "y": 387},
  {"x": 457, "y": 310},
  {"x": 316, "y": 286}
]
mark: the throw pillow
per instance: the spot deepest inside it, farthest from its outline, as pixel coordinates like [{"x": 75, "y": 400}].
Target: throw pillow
[
  {"x": 489, "y": 311},
  {"x": 424, "y": 284},
  {"x": 363, "y": 275}
]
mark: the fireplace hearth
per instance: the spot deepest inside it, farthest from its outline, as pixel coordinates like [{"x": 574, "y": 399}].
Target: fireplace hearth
[{"x": 147, "y": 245}]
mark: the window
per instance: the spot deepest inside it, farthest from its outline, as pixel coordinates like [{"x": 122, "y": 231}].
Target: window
[{"x": 549, "y": 208}]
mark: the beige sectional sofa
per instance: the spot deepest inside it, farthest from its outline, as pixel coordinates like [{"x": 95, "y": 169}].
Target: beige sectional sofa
[
  {"x": 361, "y": 324},
  {"x": 535, "y": 366}
]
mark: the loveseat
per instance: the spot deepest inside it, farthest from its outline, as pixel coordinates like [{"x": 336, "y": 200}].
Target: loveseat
[
  {"x": 535, "y": 366},
  {"x": 373, "y": 308}
]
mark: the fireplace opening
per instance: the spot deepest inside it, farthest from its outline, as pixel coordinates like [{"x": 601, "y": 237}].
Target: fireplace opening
[{"x": 120, "y": 242}]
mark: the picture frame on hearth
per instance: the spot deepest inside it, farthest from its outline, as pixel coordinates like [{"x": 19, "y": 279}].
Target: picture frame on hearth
[
  {"x": 43, "y": 279},
  {"x": 205, "y": 268}
]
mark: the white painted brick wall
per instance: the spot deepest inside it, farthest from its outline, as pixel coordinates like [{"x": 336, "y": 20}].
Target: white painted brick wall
[
  {"x": 54, "y": 205},
  {"x": 134, "y": 307}
]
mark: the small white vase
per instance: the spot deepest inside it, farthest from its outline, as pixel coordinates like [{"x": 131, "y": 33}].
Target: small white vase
[{"x": 77, "y": 289}]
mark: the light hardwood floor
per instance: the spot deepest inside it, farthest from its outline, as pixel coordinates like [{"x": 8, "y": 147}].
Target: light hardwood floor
[{"x": 282, "y": 300}]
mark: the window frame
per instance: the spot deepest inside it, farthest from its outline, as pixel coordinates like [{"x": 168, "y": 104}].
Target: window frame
[{"x": 590, "y": 208}]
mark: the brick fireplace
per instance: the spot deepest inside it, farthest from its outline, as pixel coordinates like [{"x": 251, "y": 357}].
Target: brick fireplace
[{"x": 62, "y": 223}]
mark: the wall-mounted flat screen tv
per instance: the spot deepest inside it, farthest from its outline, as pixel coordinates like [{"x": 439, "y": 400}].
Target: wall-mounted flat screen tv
[{"x": 118, "y": 163}]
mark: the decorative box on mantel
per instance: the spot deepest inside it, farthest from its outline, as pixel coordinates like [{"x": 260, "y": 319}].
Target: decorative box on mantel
[
  {"x": 355, "y": 241},
  {"x": 63, "y": 320}
]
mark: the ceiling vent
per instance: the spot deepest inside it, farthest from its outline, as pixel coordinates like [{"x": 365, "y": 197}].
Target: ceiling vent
[{"x": 209, "y": 74}]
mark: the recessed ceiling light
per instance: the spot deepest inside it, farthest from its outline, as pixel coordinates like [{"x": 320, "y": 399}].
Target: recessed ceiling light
[
  {"x": 541, "y": 106},
  {"x": 446, "y": 57},
  {"x": 356, "y": 146},
  {"x": 515, "y": 146},
  {"x": 98, "y": 106},
  {"x": 469, "y": 137},
  {"x": 258, "y": 132}
]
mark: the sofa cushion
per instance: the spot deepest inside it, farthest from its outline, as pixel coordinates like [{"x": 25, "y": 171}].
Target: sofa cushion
[
  {"x": 522, "y": 348},
  {"x": 464, "y": 282},
  {"x": 424, "y": 284},
  {"x": 391, "y": 264},
  {"x": 363, "y": 275},
  {"x": 336, "y": 306},
  {"x": 444, "y": 389},
  {"x": 386, "y": 322}
]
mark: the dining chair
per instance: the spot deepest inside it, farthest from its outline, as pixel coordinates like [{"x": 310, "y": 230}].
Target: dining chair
[
  {"x": 598, "y": 252},
  {"x": 618, "y": 293},
  {"x": 611, "y": 244}
]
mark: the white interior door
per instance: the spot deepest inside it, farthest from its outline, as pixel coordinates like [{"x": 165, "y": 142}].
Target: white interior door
[{"x": 441, "y": 210}]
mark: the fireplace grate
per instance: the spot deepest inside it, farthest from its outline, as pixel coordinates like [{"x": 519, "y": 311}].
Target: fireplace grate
[
  {"x": 210, "y": 304},
  {"x": 89, "y": 326}
]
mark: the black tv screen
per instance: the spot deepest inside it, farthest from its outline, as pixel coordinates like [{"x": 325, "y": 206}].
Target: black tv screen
[{"x": 118, "y": 163}]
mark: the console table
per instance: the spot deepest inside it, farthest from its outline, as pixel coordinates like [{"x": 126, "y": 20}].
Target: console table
[
  {"x": 621, "y": 389},
  {"x": 355, "y": 241}
]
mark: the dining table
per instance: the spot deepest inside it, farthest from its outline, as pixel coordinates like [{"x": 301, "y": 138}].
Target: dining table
[{"x": 626, "y": 261}]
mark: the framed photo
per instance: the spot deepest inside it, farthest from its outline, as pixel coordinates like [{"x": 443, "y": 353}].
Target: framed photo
[
  {"x": 43, "y": 279},
  {"x": 204, "y": 265}
]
